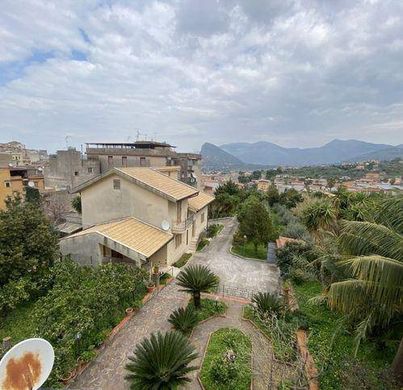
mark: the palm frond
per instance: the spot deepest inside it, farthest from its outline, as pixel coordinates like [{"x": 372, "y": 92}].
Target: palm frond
[
  {"x": 367, "y": 238},
  {"x": 390, "y": 213}
]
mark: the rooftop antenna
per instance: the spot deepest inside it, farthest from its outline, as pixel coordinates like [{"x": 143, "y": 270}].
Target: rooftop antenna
[
  {"x": 66, "y": 138},
  {"x": 27, "y": 365},
  {"x": 138, "y": 135}
]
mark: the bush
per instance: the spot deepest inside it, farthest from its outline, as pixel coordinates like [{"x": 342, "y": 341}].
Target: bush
[
  {"x": 183, "y": 260},
  {"x": 209, "y": 308},
  {"x": 184, "y": 320},
  {"x": 214, "y": 229},
  {"x": 203, "y": 242},
  {"x": 286, "y": 255},
  {"x": 84, "y": 304},
  {"x": 267, "y": 304}
]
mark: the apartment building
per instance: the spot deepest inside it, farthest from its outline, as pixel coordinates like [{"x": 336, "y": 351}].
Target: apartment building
[
  {"x": 146, "y": 154},
  {"x": 15, "y": 179},
  {"x": 137, "y": 215}
]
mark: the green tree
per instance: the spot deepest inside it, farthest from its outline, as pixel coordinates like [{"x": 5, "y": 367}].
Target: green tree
[
  {"x": 255, "y": 222},
  {"x": 373, "y": 296},
  {"x": 290, "y": 198},
  {"x": 196, "y": 279},
  {"x": 28, "y": 243},
  {"x": 76, "y": 203},
  {"x": 273, "y": 195},
  {"x": 228, "y": 187},
  {"x": 318, "y": 213},
  {"x": 32, "y": 195},
  {"x": 161, "y": 362}
]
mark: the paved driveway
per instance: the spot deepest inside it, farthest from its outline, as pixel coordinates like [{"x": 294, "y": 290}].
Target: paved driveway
[
  {"x": 107, "y": 371},
  {"x": 236, "y": 273}
]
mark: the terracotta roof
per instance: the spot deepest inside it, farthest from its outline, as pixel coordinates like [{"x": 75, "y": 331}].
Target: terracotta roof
[
  {"x": 150, "y": 179},
  {"x": 282, "y": 241},
  {"x": 132, "y": 233},
  {"x": 200, "y": 201}
]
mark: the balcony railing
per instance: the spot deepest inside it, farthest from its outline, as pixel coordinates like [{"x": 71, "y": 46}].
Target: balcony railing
[{"x": 180, "y": 227}]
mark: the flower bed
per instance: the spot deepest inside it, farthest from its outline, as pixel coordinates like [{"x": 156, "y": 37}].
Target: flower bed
[{"x": 227, "y": 362}]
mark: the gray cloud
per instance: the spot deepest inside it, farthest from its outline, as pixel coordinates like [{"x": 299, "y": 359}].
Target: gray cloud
[{"x": 298, "y": 73}]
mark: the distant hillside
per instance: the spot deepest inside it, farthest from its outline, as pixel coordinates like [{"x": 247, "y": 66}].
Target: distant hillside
[
  {"x": 214, "y": 158},
  {"x": 336, "y": 151}
]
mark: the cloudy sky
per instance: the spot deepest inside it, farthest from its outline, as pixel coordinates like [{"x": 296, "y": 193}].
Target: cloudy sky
[{"x": 297, "y": 73}]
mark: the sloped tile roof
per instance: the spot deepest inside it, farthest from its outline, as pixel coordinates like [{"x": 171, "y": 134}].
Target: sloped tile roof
[
  {"x": 200, "y": 201},
  {"x": 132, "y": 233}
]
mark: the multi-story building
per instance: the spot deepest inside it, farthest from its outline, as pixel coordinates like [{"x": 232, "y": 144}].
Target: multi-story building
[
  {"x": 146, "y": 154},
  {"x": 68, "y": 168},
  {"x": 262, "y": 185},
  {"x": 15, "y": 179},
  {"x": 137, "y": 215}
]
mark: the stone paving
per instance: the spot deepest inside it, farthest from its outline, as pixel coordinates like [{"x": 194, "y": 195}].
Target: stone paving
[{"x": 107, "y": 371}]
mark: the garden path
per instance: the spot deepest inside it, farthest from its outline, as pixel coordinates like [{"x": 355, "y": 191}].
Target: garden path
[{"x": 107, "y": 370}]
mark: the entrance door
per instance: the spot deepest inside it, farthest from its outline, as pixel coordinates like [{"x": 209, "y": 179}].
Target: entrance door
[{"x": 187, "y": 237}]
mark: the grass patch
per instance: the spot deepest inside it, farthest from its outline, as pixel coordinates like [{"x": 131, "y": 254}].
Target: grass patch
[
  {"x": 209, "y": 308},
  {"x": 183, "y": 260},
  {"x": 280, "y": 332},
  {"x": 218, "y": 371},
  {"x": 19, "y": 324},
  {"x": 214, "y": 229},
  {"x": 333, "y": 350},
  {"x": 248, "y": 250},
  {"x": 202, "y": 243}
]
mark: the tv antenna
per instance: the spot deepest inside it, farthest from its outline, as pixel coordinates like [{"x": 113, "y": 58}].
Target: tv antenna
[{"x": 27, "y": 365}]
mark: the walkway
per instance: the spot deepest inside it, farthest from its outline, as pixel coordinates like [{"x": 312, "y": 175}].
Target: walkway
[
  {"x": 107, "y": 371},
  {"x": 265, "y": 369}
]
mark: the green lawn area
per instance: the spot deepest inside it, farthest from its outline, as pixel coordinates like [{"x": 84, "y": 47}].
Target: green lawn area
[
  {"x": 19, "y": 324},
  {"x": 202, "y": 244},
  {"x": 334, "y": 351},
  {"x": 209, "y": 308},
  {"x": 248, "y": 250},
  {"x": 183, "y": 260},
  {"x": 219, "y": 372}
]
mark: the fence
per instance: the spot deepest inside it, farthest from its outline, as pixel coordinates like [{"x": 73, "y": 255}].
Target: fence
[{"x": 234, "y": 291}]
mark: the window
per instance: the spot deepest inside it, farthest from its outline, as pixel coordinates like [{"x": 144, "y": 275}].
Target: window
[
  {"x": 202, "y": 217},
  {"x": 116, "y": 184},
  {"x": 143, "y": 161},
  {"x": 124, "y": 161},
  {"x": 7, "y": 184},
  {"x": 90, "y": 170},
  {"x": 110, "y": 161},
  {"x": 178, "y": 240},
  {"x": 76, "y": 173}
]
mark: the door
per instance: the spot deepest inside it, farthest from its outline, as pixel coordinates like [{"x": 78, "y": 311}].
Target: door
[{"x": 187, "y": 237}]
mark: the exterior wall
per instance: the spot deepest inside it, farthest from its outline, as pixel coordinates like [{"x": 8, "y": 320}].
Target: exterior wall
[
  {"x": 88, "y": 249},
  {"x": 131, "y": 161},
  {"x": 102, "y": 203},
  {"x": 4, "y": 190},
  {"x": 67, "y": 169}
]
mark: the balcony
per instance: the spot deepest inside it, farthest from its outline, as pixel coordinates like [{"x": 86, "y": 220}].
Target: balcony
[{"x": 180, "y": 227}]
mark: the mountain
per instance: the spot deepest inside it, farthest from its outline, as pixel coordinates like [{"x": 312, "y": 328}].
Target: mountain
[
  {"x": 214, "y": 158},
  {"x": 267, "y": 153}
]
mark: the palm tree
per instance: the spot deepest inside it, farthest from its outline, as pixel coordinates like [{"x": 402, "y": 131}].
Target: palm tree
[
  {"x": 184, "y": 319},
  {"x": 374, "y": 294},
  {"x": 161, "y": 362},
  {"x": 196, "y": 279},
  {"x": 318, "y": 213},
  {"x": 267, "y": 304}
]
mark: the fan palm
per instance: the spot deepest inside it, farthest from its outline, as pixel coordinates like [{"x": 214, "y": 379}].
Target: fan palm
[
  {"x": 196, "y": 279},
  {"x": 374, "y": 294},
  {"x": 161, "y": 362}
]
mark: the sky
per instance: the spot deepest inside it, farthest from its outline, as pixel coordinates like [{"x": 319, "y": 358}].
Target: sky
[{"x": 298, "y": 73}]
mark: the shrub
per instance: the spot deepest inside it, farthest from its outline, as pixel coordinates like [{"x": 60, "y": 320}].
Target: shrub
[
  {"x": 183, "y": 260},
  {"x": 213, "y": 230},
  {"x": 184, "y": 320},
  {"x": 202, "y": 243},
  {"x": 83, "y": 305},
  {"x": 285, "y": 255},
  {"x": 267, "y": 304},
  {"x": 161, "y": 362}
]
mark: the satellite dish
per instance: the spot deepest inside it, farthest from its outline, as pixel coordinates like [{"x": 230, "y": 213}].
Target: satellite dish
[
  {"x": 165, "y": 225},
  {"x": 27, "y": 365},
  {"x": 31, "y": 184}
]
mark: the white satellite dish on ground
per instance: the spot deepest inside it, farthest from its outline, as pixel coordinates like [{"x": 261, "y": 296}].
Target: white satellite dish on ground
[
  {"x": 31, "y": 184},
  {"x": 27, "y": 365},
  {"x": 165, "y": 225}
]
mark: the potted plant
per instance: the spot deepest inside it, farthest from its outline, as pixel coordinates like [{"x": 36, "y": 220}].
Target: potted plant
[{"x": 150, "y": 286}]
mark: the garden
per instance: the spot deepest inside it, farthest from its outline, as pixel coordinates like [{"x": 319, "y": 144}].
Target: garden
[{"x": 71, "y": 306}]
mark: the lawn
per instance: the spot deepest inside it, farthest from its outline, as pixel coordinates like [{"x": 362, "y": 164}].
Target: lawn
[
  {"x": 248, "y": 250},
  {"x": 209, "y": 308},
  {"x": 227, "y": 363},
  {"x": 333, "y": 350}
]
